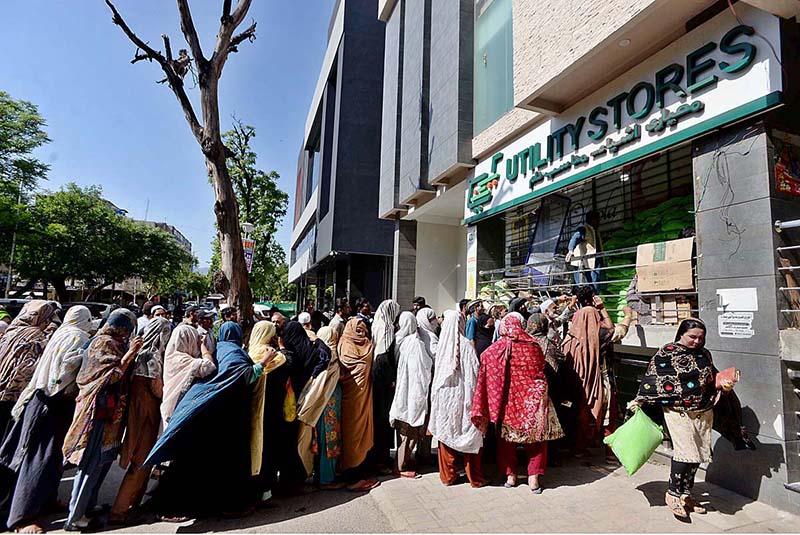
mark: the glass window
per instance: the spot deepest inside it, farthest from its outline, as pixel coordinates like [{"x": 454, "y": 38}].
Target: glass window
[{"x": 494, "y": 62}]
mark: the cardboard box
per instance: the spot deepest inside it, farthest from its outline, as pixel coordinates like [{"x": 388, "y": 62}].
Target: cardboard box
[
  {"x": 670, "y": 306},
  {"x": 665, "y": 266}
]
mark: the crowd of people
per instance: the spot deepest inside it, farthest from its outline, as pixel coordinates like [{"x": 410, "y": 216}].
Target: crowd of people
[{"x": 322, "y": 399}]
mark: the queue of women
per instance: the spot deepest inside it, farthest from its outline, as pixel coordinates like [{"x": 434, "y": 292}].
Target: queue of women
[{"x": 225, "y": 432}]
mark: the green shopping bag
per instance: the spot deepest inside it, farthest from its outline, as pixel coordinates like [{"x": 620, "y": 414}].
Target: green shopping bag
[{"x": 635, "y": 441}]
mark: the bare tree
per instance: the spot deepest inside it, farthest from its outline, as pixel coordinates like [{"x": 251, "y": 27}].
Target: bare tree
[{"x": 232, "y": 281}]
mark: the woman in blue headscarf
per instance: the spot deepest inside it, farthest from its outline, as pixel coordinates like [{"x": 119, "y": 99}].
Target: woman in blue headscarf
[{"x": 213, "y": 416}]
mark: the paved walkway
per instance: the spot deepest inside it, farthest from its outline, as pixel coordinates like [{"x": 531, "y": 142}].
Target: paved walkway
[{"x": 577, "y": 498}]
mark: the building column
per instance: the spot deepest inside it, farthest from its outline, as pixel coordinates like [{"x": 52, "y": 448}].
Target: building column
[
  {"x": 736, "y": 274},
  {"x": 404, "y": 266}
]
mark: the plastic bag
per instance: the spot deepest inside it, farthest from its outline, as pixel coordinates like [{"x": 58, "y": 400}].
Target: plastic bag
[{"x": 635, "y": 441}]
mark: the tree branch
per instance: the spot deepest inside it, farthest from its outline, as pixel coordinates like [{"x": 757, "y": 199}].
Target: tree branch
[
  {"x": 119, "y": 21},
  {"x": 175, "y": 81},
  {"x": 248, "y": 35},
  {"x": 226, "y": 12},
  {"x": 226, "y": 29},
  {"x": 242, "y": 7},
  {"x": 190, "y": 33},
  {"x": 167, "y": 47},
  {"x": 140, "y": 57}
]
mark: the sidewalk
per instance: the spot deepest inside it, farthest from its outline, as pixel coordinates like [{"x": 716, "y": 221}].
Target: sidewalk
[{"x": 577, "y": 498}]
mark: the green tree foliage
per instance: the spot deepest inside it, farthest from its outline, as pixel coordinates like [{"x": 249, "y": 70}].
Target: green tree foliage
[
  {"x": 262, "y": 203},
  {"x": 74, "y": 234},
  {"x": 21, "y": 132}
]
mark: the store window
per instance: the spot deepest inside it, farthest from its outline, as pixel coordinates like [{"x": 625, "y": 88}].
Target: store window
[
  {"x": 305, "y": 243},
  {"x": 494, "y": 62},
  {"x": 649, "y": 201}
]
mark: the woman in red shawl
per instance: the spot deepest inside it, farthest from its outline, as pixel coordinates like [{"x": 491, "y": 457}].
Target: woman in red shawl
[{"x": 512, "y": 394}]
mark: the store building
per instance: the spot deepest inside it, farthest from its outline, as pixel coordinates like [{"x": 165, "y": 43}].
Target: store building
[
  {"x": 339, "y": 247},
  {"x": 664, "y": 117}
]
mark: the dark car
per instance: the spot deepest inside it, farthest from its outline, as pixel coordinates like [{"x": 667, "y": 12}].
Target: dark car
[{"x": 13, "y": 306}]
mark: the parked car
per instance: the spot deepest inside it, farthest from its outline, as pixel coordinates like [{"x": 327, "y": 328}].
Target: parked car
[{"x": 13, "y": 306}]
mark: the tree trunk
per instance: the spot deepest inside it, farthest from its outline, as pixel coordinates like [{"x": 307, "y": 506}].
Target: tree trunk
[
  {"x": 226, "y": 207},
  {"x": 61, "y": 290},
  {"x": 237, "y": 285},
  {"x": 97, "y": 289}
]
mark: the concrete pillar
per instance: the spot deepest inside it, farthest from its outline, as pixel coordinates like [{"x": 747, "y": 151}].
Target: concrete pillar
[
  {"x": 736, "y": 251},
  {"x": 404, "y": 264}
]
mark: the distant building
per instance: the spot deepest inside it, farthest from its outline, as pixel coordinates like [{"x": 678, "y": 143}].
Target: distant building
[
  {"x": 182, "y": 240},
  {"x": 338, "y": 244}
]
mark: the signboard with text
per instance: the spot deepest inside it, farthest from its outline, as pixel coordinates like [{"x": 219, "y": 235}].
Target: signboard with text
[
  {"x": 249, "y": 248},
  {"x": 720, "y": 72}
]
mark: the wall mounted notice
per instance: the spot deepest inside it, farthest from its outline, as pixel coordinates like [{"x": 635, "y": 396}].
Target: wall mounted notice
[{"x": 736, "y": 325}]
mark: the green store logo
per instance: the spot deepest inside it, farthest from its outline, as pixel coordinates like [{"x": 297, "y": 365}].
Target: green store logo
[{"x": 534, "y": 162}]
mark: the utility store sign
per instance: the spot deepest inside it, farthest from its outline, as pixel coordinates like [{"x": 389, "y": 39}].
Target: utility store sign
[{"x": 720, "y": 72}]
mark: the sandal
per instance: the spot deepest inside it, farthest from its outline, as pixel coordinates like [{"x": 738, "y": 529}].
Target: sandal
[
  {"x": 365, "y": 485},
  {"x": 675, "y": 504},
  {"x": 692, "y": 505},
  {"x": 410, "y": 475}
]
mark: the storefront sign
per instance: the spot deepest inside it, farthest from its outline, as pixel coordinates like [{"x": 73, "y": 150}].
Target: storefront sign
[{"x": 720, "y": 72}]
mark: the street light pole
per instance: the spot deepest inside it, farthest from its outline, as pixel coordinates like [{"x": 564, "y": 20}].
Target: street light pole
[{"x": 13, "y": 242}]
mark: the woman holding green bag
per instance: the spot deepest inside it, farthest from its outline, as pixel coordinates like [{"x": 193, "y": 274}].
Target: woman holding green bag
[{"x": 681, "y": 379}]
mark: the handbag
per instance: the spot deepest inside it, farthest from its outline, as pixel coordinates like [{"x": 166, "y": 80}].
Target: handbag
[{"x": 635, "y": 441}]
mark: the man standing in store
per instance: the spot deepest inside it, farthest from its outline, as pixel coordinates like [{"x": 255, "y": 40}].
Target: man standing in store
[{"x": 585, "y": 243}]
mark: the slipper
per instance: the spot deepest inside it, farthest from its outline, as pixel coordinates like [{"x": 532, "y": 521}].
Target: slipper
[
  {"x": 173, "y": 519},
  {"x": 410, "y": 475},
  {"x": 365, "y": 485},
  {"x": 537, "y": 490}
]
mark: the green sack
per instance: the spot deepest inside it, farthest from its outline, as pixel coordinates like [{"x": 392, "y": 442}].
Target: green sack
[{"x": 635, "y": 441}]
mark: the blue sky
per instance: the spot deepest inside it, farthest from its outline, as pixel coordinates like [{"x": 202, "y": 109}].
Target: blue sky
[{"x": 112, "y": 125}]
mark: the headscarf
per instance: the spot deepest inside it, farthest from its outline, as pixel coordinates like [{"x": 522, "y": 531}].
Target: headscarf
[
  {"x": 260, "y": 340},
  {"x": 483, "y": 334},
  {"x": 355, "y": 359},
  {"x": 544, "y": 306},
  {"x": 414, "y": 366},
  {"x": 383, "y": 326},
  {"x": 182, "y": 366},
  {"x": 427, "y": 321},
  {"x": 512, "y": 390},
  {"x": 312, "y": 400},
  {"x": 582, "y": 345},
  {"x": 234, "y": 372},
  {"x": 679, "y": 377},
  {"x": 61, "y": 359},
  {"x": 309, "y": 358},
  {"x": 128, "y": 314},
  {"x": 150, "y": 362},
  {"x": 103, "y": 390},
  {"x": 230, "y": 331},
  {"x": 519, "y": 304},
  {"x": 453, "y": 386},
  {"x": 21, "y": 346}
]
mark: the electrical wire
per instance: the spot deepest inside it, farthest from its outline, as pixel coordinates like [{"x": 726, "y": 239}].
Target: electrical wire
[{"x": 772, "y": 48}]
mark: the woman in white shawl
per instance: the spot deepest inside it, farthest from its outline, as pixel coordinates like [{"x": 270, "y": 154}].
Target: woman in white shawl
[
  {"x": 182, "y": 366},
  {"x": 43, "y": 414},
  {"x": 428, "y": 324},
  {"x": 384, "y": 375},
  {"x": 410, "y": 405},
  {"x": 454, "y": 383}
]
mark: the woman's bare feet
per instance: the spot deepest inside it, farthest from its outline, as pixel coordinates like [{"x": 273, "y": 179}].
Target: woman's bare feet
[
  {"x": 31, "y": 528},
  {"x": 511, "y": 482}
]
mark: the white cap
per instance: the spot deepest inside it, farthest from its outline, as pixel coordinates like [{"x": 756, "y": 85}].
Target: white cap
[
  {"x": 544, "y": 306},
  {"x": 304, "y": 318}
]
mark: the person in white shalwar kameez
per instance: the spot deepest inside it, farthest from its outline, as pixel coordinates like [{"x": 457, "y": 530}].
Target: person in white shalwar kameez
[
  {"x": 451, "y": 403},
  {"x": 410, "y": 405}
]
